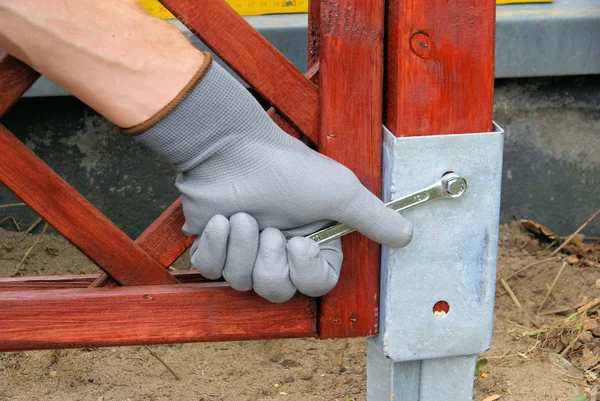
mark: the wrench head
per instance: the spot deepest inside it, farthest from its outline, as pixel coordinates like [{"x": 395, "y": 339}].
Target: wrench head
[{"x": 454, "y": 185}]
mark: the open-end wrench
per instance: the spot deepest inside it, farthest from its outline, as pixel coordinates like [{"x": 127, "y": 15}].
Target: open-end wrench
[{"x": 450, "y": 186}]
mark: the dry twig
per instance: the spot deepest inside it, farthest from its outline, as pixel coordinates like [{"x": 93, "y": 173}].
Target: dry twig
[
  {"x": 552, "y": 287},
  {"x": 539, "y": 262},
  {"x": 588, "y": 221},
  {"x": 154, "y": 354},
  {"x": 592, "y": 304},
  {"x": 13, "y": 220},
  {"x": 556, "y": 311},
  {"x": 29, "y": 250},
  {"x": 510, "y": 293},
  {"x": 572, "y": 343},
  {"x": 11, "y": 205},
  {"x": 34, "y": 225}
]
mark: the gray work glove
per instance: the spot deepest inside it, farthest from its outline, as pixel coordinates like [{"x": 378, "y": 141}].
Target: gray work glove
[{"x": 251, "y": 193}]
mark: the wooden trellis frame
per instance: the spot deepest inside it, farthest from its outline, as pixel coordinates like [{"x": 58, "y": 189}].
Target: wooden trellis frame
[{"x": 438, "y": 79}]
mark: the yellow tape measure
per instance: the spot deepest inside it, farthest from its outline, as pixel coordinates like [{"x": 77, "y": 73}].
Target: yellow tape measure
[{"x": 243, "y": 7}]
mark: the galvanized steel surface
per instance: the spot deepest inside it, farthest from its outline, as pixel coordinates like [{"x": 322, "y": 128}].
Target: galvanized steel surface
[{"x": 453, "y": 254}]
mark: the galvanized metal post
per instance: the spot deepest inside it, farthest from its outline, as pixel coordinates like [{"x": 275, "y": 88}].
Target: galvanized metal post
[{"x": 437, "y": 295}]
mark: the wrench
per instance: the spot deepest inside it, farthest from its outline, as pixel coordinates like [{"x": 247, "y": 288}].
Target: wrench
[{"x": 450, "y": 186}]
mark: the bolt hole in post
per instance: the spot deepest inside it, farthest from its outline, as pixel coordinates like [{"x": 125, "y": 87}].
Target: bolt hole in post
[{"x": 441, "y": 308}]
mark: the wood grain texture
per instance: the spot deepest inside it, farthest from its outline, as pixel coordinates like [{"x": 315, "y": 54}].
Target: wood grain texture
[
  {"x": 250, "y": 55},
  {"x": 146, "y": 315},
  {"x": 163, "y": 240},
  {"x": 32, "y": 283},
  {"x": 314, "y": 34},
  {"x": 439, "y": 67},
  {"x": 280, "y": 120},
  {"x": 15, "y": 78},
  {"x": 351, "y": 78},
  {"x": 74, "y": 217}
]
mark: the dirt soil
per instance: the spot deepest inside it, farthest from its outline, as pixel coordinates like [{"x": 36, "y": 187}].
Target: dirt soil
[{"x": 522, "y": 365}]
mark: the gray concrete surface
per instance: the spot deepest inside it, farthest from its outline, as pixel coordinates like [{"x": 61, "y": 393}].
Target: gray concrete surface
[
  {"x": 120, "y": 177},
  {"x": 551, "y": 167},
  {"x": 552, "y": 150}
]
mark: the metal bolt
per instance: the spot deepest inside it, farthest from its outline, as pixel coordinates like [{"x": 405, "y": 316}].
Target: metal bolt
[{"x": 455, "y": 186}]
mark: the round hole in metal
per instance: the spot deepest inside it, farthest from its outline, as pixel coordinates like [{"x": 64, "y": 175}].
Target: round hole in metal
[{"x": 441, "y": 308}]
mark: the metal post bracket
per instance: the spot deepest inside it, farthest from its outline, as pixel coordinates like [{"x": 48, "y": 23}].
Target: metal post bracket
[{"x": 451, "y": 262}]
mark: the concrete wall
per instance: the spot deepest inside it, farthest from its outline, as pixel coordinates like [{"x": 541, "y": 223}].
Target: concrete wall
[
  {"x": 551, "y": 168},
  {"x": 552, "y": 150}
]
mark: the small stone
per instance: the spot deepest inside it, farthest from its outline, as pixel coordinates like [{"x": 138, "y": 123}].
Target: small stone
[
  {"x": 559, "y": 361},
  {"x": 91, "y": 380},
  {"x": 289, "y": 380},
  {"x": 597, "y": 285},
  {"x": 288, "y": 363},
  {"x": 586, "y": 337},
  {"x": 276, "y": 385},
  {"x": 306, "y": 377},
  {"x": 53, "y": 373},
  {"x": 283, "y": 393}
]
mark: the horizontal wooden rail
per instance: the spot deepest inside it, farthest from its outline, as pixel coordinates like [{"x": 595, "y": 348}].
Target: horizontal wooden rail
[
  {"x": 32, "y": 283},
  {"x": 15, "y": 78},
  {"x": 74, "y": 217},
  {"x": 147, "y": 315},
  {"x": 249, "y": 54}
]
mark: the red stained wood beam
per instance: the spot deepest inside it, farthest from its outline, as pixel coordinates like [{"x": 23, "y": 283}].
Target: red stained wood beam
[
  {"x": 31, "y": 283},
  {"x": 351, "y": 78},
  {"x": 163, "y": 240},
  {"x": 250, "y": 55},
  {"x": 280, "y": 120},
  {"x": 15, "y": 78},
  {"x": 146, "y": 315},
  {"x": 439, "y": 67},
  {"x": 74, "y": 217}
]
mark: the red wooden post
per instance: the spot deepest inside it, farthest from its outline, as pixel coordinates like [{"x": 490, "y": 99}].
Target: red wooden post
[
  {"x": 439, "y": 67},
  {"x": 351, "y": 78}
]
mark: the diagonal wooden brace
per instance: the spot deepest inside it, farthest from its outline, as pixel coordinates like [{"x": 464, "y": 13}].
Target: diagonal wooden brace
[
  {"x": 250, "y": 55},
  {"x": 15, "y": 79},
  {"x": 74, "y": 217}
]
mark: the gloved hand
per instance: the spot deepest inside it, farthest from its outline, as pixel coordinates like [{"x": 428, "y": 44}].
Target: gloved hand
[{"x": 251, "y": 192}]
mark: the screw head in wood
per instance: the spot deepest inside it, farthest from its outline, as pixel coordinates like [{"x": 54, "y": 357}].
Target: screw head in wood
[{"x": 422, "y": 45}]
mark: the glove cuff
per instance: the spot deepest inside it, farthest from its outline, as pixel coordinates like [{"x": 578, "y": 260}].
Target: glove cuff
[
  {"x": 216, "y": 123},
  {"x": 169, "y": 107}
]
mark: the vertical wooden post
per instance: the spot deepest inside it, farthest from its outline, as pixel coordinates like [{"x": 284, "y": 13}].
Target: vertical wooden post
[
  {"x": 439, "y": 80},
  {"x": 439, "y": 66},
  {"x": 351, "y": 79}
]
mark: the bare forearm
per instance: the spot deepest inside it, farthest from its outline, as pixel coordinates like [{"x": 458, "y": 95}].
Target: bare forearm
[{"x": 110, "y": 54}]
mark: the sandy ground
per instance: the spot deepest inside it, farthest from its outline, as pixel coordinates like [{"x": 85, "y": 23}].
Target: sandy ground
[{"x": 521, "y": 366}]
